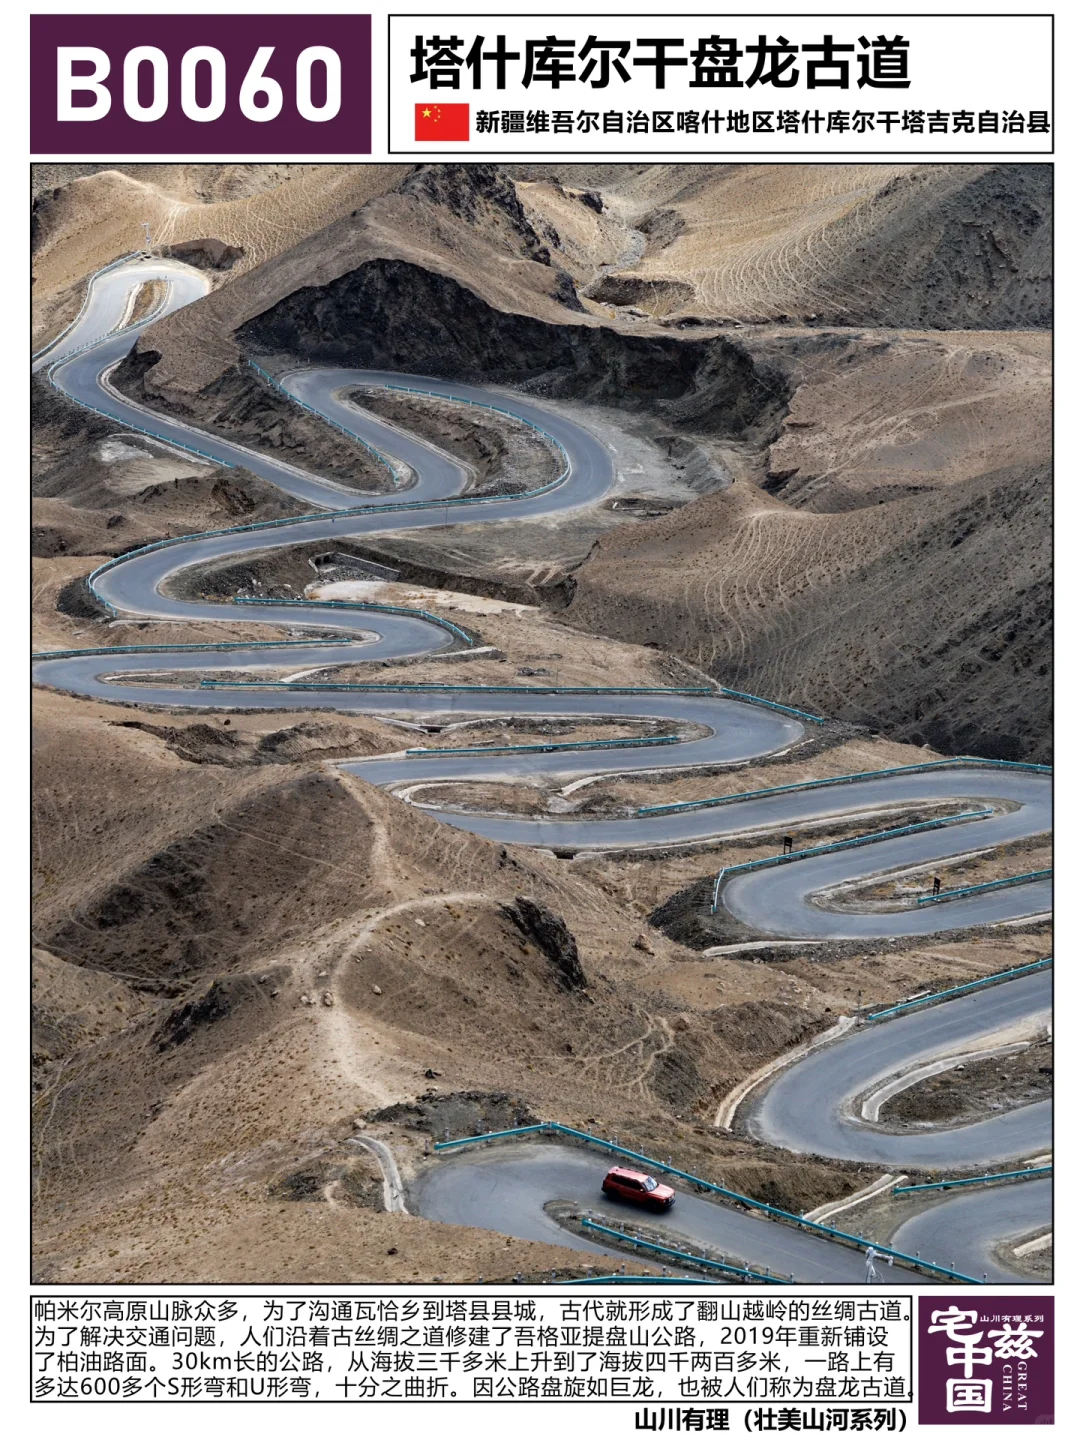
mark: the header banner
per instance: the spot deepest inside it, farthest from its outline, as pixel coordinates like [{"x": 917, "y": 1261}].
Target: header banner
[{"x": 220, "y": 85}]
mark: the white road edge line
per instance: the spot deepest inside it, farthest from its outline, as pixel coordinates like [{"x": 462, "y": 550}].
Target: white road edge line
[
  {"x": 872, "y": 1102},
  {"x": 1041, "y": 1242},
  {"x": 393, "y": 1189},
  {"x": 725, "y": 1115},
  {"x": 837, "y": 1207}
]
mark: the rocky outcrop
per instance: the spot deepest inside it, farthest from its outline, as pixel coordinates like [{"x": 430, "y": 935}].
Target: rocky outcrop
[
  {"x": 550, "y": 932},
  {"x": 206, "y": 1009},
  {"x": 391, "y": 315},
  {"x": 205, "y": 254}
]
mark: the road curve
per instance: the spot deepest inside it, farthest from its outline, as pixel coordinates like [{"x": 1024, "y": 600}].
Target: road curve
[
  {"x": 780, "y": 902},
  {"x": 783, "y": 901},
  {"x": 963, "y": 1231},
  {"x": 108, "y": 299},
  {"x": 809, "y": 1107},
  {"x": 507, "y": 1189}
]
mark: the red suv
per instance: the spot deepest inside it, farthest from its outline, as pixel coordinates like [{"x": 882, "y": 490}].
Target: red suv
[{"x": 639, "y": 1188}]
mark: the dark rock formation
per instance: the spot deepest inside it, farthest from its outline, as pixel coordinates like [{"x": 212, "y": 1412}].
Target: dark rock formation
[{"x": 549, "y": 931}]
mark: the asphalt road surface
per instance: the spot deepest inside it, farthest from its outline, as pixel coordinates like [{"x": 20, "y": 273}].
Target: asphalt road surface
[
  {"x": 779, "y": 902},
  {"x": 506, "y": 1189},
  {"x": 809, "y": 1107},
  {"x": 108, "y": 299},
  {"x": 963, "y": 1231},
  {"x": 803, "y": 1109}
]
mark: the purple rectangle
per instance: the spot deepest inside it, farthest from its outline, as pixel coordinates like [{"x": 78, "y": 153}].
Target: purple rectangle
[
  {"x": 296, "y": 80},
  {"x": 986, "y": 1359}
]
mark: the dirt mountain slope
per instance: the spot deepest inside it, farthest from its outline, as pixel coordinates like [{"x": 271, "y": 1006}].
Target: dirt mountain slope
[
  {"x": 841, "y": 244},
  {"x": 825, "y": 391},
  {"x": 911, "y": 617},
  {"x": 947, "y": 246},
  {"x": 180, "y": 1101},
  {"x": 466, "y": 222},
  {"x": 874, "y": 416},
  {"x": 262, "y": 210}
]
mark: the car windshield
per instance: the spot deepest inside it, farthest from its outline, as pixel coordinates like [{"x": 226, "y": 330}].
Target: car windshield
[{"x": 650, "y": 1183}]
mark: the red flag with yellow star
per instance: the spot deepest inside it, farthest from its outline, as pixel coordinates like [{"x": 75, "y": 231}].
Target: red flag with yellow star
[{"x": 442, "y": 122}]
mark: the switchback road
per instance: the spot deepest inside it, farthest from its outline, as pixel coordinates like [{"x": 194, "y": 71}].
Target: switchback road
[{"x": 804, "y": 1108}]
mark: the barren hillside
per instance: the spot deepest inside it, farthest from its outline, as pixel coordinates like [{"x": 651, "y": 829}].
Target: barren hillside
[
  {"x": 826, "y": 395},
  {"x": 913, "y": 618},
  {"x": 82, "y": 223},
  {"x": 227, "y": 1003},
  {"x": 941, "y": 246}
]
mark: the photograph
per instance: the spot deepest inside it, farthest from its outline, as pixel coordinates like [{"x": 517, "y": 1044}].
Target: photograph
[{"x": 541, "y": 707}]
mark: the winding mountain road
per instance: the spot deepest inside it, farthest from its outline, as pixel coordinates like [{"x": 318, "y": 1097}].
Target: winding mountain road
[
  {"x": 964, "y": 1231},
  {"x": 510, "y": 1187},
  {"x": 804, "y": 1108},
  {"x": 779, "y": 902},
  {"x": 809, "y": 1107}
]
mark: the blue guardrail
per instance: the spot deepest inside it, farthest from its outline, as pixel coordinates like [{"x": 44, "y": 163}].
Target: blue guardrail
[
  {"x": 455, "y": 689},
  {"x": 113, "y": 265},
  {"x": 687, "y": 1257},
  {"x": 623, "y": 744},
  {"x": 772, "y": 1212},
  {"x": 939, "y": 995},
  {"x": 982, "y": 889},
  {"x": 635, "y": 1280},
  {"x": 960, "y": 762},
  {"x": 363, "y": 606},
  {"x": 1031, "y": 1173},
  {"x": 853, "y": 843}
]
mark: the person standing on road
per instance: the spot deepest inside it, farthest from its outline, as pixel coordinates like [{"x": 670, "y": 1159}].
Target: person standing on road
[{"x": 872, "y": 1275}]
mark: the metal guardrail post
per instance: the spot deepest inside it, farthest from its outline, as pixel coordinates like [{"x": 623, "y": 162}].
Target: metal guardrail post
[
  {"x": 443, "y": 689},
  {"x": 855, "y": 842},
  {"x": 455, "y": 399},
  {"x": 360, "y": 606},
  {"x": 352, "y": 511},
  {"x": 104, "y": 269},
  {"x": 959, "y": 763},
  {"x": 553, "y": 1127},
  {"x": 772, "y": 705},
  {"x": 210, "y": 647},
  {"x": 432, "y": 751},
  {"x": 440, "y": 1145},
  {"x": 616, "y": 1279},
  {"x": 685, "y": 1256}
]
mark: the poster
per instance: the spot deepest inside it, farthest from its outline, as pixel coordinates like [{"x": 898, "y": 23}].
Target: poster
[{"x": 542, "y": 750}]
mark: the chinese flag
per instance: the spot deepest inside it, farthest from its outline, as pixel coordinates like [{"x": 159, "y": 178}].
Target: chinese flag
[{"x": 442, "y": 122}]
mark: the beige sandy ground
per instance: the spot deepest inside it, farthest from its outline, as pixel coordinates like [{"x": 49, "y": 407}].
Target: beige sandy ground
[
  {"x": 768, "y": 237},
  {"x": 97, "y": 218},
  {"x": 750, "y": 242},
  {"x": 792, "y": 589},
  {"x": 159, "y": 1159}
]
